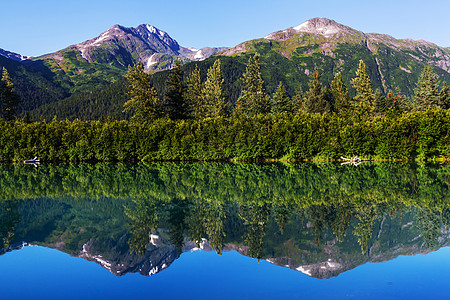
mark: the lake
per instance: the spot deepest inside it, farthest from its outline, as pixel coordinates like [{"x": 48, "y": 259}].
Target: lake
[{"x": 225, "y": 231}]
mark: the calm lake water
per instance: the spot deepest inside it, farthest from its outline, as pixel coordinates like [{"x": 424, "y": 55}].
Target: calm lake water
[{"x": 225, "y": 231}]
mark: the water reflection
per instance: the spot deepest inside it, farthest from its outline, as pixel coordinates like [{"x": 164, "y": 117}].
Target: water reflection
[{"x": 320, "y": 219}]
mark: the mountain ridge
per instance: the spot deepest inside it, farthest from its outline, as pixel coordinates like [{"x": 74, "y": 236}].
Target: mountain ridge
[
  {"x": 334, "y": 33},
  {"x": 288, "y": 56}
]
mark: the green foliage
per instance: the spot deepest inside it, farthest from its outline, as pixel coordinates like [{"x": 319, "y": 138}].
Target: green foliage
[
  {"x": 281, "y": 101},
  {"x": 175, "y": 104},
  {"x": 194, "y": 93},
  {"x": 426, "y": 94},
  {"x": 106, "y": 102},
  {"x": 363, "y": 102},
  {"x": 144, "y": 99},
  {"x": 281, "y": 136},
  {"x": 339, "y": 92},
  {"x": 253, "y": 99},
  {"x": 9, "y": 100},
  {"x": 317, "y": 99},
  {"x": 212, "y": 93},
  {"x": 444, "y": 97}
]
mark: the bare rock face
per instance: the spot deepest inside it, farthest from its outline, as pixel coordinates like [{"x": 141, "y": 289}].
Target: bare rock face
[{"x": 121, "y": 46}]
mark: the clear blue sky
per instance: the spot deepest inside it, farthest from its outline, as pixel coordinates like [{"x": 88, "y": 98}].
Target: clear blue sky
[{"x": 34, "y": 28}]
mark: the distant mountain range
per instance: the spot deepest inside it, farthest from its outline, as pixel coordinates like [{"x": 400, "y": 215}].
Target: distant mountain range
[{"x": 289, "y": 56}]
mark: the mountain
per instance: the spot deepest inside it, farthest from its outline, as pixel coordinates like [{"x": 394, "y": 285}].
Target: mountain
[
  {"x": 106, "y": 58},
  {"x": 13, "y": 56},
  {"x": 33, "y": 83},
  {"x": 85, "y": 71},
  {"x": 123, "y": 46},
  {"x": 292, "y": 54}
]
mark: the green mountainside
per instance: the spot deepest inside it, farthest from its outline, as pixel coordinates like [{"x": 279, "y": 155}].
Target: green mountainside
[
  {"x": 33, "y": 83},
  {"x": 291, "y": 55}
]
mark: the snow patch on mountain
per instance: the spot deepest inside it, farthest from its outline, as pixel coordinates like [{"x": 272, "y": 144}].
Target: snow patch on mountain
[
  {"x": 151, "y": 61},
  {"x": 323, "y": 27},
  {"x": 199, "y": 55},
  {"x": 13, "y": 56},
  {"x": 155, "y": 30}
]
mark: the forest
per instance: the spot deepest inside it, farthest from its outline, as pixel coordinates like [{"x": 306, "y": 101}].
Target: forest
[{"x": 193, "y": 120}]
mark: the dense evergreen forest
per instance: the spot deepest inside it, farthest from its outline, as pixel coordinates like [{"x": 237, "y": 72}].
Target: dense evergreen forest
[{"x": 185, "y": 115}]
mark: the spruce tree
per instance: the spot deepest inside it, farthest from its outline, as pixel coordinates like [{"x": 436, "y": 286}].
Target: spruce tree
[
  {"x": 426, "y": 93},
  {"x": 382, "y": 103},
  {"x": 213, "y": 97},
  {"x": 340, "y": 94},
  {"x": 363, "y": 102},
  {"x": 444, "y": 97},
  {"x": 144, "y": 99},
  {"x": 253, "y": 99},
  {"x": 281, "y": 101},
  {"x": 317, "y": 99},
  {"x": 298, "y": 101},
  {"x": 194, "y": 96},
  {"x": 9, "y": 100},
  {"x": 175, "y": 104}
]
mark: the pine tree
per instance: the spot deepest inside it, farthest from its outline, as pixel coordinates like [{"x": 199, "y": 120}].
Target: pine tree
[
  {"x": 363, "y": 102},
  {"x": 253, "y": 99},
  {"x": 426, "y": 94},
  {"x": 340, "y": 94},
  {"x": 281, "y": 101},
  {"x": 317, "y": 98},
  {"x": 144, "y": 99},
  {"x": 194, "y": 96},
  {"x": 213, "y": 97},
  {"x": 175, "y": 104},
  {"x": 9, "y": 100}
]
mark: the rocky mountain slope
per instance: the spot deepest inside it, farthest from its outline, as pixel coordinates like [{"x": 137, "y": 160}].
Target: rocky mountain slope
[
  {"x": 332, "y": 47},
  {"x": 13, "y": 56},
  {"x": 106, "y": 58}
]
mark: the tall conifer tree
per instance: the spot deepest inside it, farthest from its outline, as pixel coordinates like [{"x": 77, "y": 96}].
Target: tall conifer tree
[
  {"x": 317, "y": 99},
  {"x": 444, "y": 97},
  {"x": 144, "y": 99},
  {"x": 9, "y": 100},
  {"x": 194, "y": 94},
  {"x": 213, "y": 97},
  {"x": 175, "y": 104},
  {"x": 364, "y": 99},
  {"x": 427, "y": 94},
  {"x": 253, "y": 99},
  {"x": 281, "y": 101},
  {"x": 340, "y": 94}
]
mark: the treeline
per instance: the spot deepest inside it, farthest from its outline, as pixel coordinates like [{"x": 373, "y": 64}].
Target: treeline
[
  {"x": 302, "y": 136},
  {"x": 296, "y": 89},
  {"x": 193, "y": 120},
  {"x": 195, "y": 98}
]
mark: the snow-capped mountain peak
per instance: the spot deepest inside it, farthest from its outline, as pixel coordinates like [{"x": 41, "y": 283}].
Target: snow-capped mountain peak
[
  {"x": 13, "y": 56},
  {"x": 322, "y": 26}
]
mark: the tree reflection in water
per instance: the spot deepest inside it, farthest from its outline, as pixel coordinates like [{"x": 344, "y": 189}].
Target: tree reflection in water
[{"x": 294, "y": 215}]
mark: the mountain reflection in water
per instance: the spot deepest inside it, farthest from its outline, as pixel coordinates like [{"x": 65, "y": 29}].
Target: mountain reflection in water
[{"x": 319, "y": 219}]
